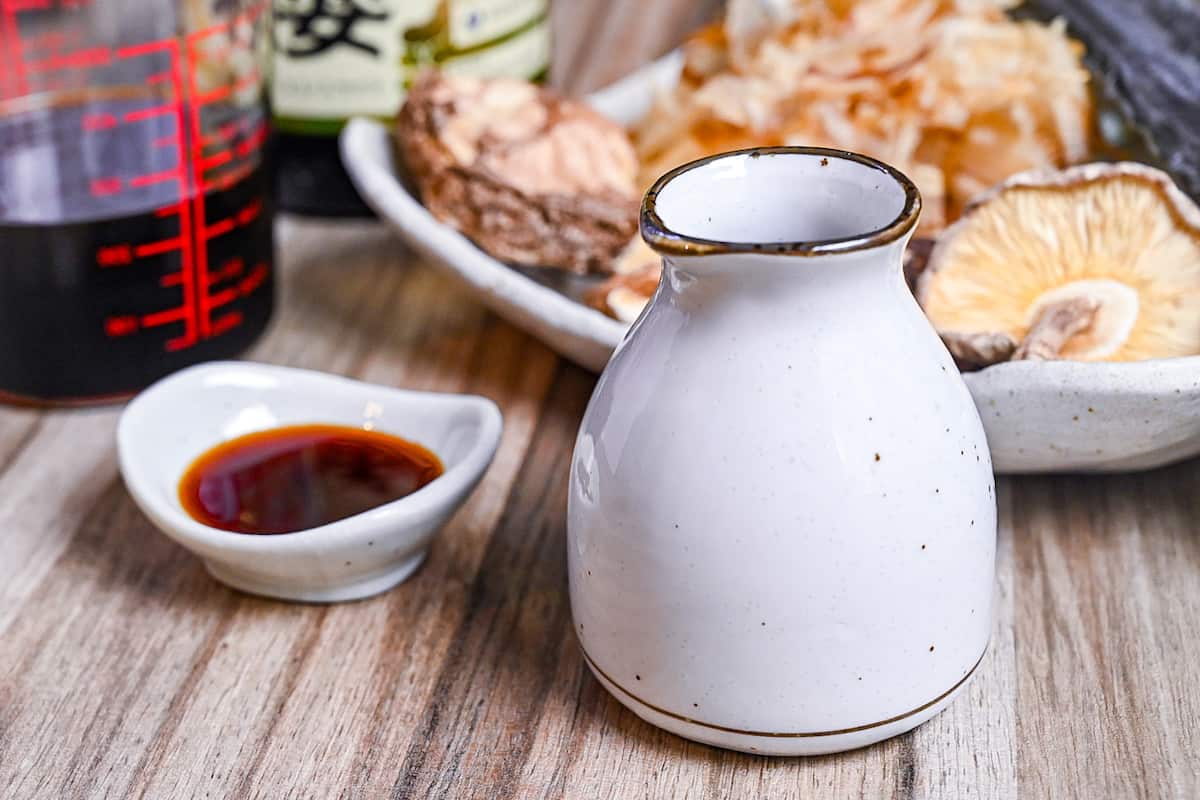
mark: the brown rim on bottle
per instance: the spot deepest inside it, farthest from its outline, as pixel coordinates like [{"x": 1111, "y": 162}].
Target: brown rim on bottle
[{"x": 668, "y": 242}]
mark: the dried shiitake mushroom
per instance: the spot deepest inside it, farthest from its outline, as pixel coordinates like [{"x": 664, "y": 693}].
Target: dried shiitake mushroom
[
  {"x": 531, "y": 177},
  {"x": 1095, "y": 263}
]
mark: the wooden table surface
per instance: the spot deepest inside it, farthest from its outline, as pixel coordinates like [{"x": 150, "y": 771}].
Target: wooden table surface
[{"x": 125, "y": 671}]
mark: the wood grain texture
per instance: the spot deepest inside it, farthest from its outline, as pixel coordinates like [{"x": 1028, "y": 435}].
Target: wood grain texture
[{"x": 125, "y": 671}]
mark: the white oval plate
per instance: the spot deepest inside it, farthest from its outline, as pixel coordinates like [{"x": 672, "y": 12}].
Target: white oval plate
[{"x": 1055, "y": 416}]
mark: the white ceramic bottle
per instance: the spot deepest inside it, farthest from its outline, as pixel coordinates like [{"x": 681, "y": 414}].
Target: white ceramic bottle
[{"x": 782, "y": 516}]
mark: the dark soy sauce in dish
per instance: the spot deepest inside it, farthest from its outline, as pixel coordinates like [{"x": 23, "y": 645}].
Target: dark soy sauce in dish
[{"x": 297, "y": 477}]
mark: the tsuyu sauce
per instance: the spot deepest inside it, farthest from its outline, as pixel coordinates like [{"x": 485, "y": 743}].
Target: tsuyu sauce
[{"x": 297, "y": 477}]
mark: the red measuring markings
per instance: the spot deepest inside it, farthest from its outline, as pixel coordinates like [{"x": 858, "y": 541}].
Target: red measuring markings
[
  {"x": 250, "y": 212},
  {"x": 150, "y": 113},
  {"x": 99, "y": 122},
  {"x": 231, "y": 269},
  {"x": 119, "y": 255},
  {"x": 204, "y": 231},
  {"x": 80, "y": 59},
  {"x": 155, "y": 177},
  {"x": 186, "y": 312},
  {"x": 255, "y": 279},
  {"x": 115, "y": 255},
  {"x": 163, "y": 317},
  {"x": 227, "y": 322},
  {"x": 103, "y": 186},
  {"x": 244, "y": 216},
  {"x": 254, "y": 132},
  {"x": 12, "y": 66},
  {"x": 215, "y": 229},
  {"x": 254, "y": 141},
  {"x": 121, "y": 325},
  {"x": 159, "y": 247},
  {"x": 228, "y": 295},
  {"x": 126, "y": 324},
  {"x": 242, "y": 288},
  {"x": 216, "y": 159},
  {"x": 206, "y": 159}
]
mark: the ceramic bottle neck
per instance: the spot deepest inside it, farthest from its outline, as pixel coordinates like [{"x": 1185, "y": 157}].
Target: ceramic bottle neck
[
  {"x": 778, "y": 277},
  {"x": 776, "y": 221}
]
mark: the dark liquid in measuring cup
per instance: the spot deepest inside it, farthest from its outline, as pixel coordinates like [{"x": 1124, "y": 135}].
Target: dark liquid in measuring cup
[
  {"x": 302, "y": 476},
  {"x": 118, "y": 262}
]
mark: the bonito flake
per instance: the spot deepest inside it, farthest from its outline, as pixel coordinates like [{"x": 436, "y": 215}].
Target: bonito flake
[{"x": 952, "y": 92}]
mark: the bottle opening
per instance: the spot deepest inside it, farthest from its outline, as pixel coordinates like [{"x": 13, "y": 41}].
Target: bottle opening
[{"x": 793, "y": 200}]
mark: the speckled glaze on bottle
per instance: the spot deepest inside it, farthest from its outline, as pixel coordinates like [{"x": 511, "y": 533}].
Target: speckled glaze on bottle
[{"x": 782, "y": 515}]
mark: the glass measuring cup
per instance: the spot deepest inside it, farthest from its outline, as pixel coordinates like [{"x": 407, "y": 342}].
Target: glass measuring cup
[{"x": 135, "y": 214}]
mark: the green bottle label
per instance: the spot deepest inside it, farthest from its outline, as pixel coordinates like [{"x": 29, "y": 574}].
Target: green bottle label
[{"x": 335, "y": 59}]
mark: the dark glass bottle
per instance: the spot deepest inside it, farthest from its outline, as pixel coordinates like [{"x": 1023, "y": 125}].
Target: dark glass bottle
[{"x": 334, "y": 61}]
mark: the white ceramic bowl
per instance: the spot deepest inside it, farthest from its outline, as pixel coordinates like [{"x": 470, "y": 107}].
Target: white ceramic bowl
[
  {"x": 1054, "y": 416},
  {"x": 167, "y": 426}
]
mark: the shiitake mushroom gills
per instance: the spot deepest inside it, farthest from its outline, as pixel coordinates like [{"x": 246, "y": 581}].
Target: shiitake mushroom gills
[{"x": 1094, "y": 263}]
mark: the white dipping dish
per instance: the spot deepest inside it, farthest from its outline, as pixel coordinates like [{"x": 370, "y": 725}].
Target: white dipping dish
[
  {"x": 1143, "y": 414},
  {"x": 165, "y": 428}
]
